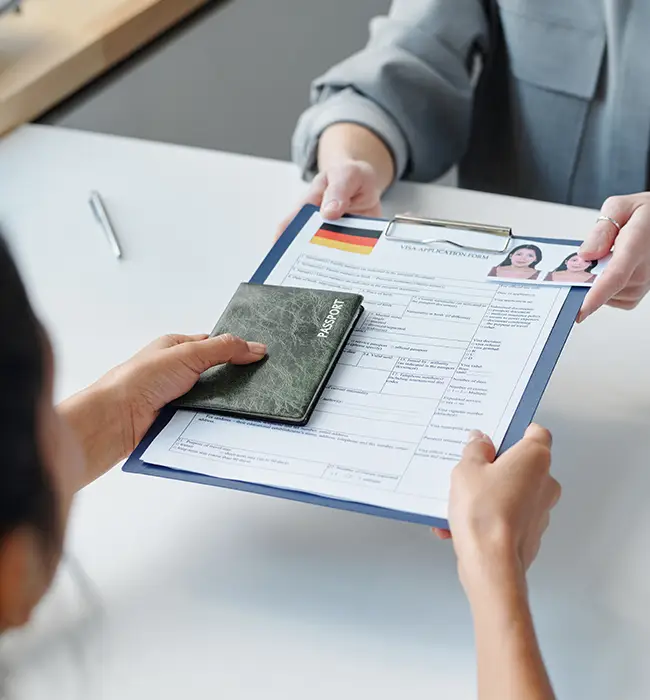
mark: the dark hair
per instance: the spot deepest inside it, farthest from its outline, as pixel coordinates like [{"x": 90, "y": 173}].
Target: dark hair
[
  {"x": 26, "y": 494},
  {"x": 563, "y": 265},
  {"x": 527, "y": 246}
]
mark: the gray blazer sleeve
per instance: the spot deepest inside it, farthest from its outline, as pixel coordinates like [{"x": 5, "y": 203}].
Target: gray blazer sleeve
[{"x": 411, "y": 85}]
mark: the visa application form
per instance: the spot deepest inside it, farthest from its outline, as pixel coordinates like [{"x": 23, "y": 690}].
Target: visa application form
[{"x": 438, "y": 351}]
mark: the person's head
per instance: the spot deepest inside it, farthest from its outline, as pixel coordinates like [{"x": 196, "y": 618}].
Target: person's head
[
  {"x": 574, "y": 263},
  {"x": 39, "y": 458},
  {"x": 527, "y": 255}
]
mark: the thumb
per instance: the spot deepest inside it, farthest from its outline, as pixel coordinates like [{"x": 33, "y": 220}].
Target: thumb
[
  {"x": 540, "y": 435},
  {"x": 338, "y": 196},
  {"x": 601, "y": 238},
  {"x": 203, "y": 354},
  {"x": 479, "y": 448},
  {"x": 599, "y": 241},
  {"x": 314, "y": 196}
]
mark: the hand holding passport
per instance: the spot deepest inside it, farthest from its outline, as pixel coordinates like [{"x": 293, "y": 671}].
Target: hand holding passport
[{"x": 305, "y": 331}]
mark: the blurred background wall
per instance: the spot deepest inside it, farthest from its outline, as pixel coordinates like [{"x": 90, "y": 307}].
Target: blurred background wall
[{"x": 235, "y": 77}]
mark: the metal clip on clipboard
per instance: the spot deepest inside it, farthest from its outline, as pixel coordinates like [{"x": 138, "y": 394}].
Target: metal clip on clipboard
[{"x": 501, "y": 231}]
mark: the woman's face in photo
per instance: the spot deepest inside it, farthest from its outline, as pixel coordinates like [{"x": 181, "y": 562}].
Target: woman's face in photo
[
  {"x": 577, "y": 264},
  {"x": 523, "y": 258}
]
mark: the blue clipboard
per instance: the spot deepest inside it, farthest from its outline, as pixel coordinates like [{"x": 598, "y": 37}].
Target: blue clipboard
[{"x": 522, "y": 418}]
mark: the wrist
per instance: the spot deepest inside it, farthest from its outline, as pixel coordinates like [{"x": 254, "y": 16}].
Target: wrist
[
  {"x": 492, "y": 571},
  {"x": 98, "y": 420},
  {"x": 109, "y": 402},
  {"x": 112, "y": 397}
]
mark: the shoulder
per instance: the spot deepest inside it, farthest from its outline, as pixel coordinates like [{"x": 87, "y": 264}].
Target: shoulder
[{"x": 492, "y": 272}]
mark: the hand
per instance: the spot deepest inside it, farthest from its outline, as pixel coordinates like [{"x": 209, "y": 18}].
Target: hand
[
  {"x": 626, "y": 280},
  {"x": 499, "y": 510},
  {"x": 351, "y": 187},
  {"x": 165, "y": 370}
]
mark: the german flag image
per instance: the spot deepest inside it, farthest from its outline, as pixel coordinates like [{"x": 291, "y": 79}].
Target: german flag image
[{"x": 352, "y": 240}]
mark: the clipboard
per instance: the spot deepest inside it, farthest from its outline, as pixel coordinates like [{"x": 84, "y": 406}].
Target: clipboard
[{"x": 522, "y": 418}]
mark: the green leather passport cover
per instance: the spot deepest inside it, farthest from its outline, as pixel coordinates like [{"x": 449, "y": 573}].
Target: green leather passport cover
[{"x": 305, "y": 331}]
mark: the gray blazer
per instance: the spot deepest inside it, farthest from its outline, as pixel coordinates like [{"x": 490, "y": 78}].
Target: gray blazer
[{"x": 548, "y": 99}]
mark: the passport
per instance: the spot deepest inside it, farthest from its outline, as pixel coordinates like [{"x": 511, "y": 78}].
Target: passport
[{"x": 305, "y": 330}]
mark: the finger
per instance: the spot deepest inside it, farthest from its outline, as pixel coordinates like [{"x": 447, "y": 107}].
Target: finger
[
  {"x": 338, "y": 195},
  {"x": 172, "y": 339},
  {"x": 374, "y": 212},
  {"x": 441, "y": 534},
  {"x": 633, "y": 290},
  {"x": 629, "y": 297},
  {"x": 316, "y": 191},
  {"x": 202, "y": 355},
  {"x": 197, "y": 337},
  {"x": 284, "y": 224},
  {"x": 610, "y": 283},
  {"x": 623, "y": 304},
  {"x": 554, "y": 493},
  {"x": 314, "y": 196},
  {"x": 544, "y": 523},
  {"x": 479, "y": 448},
  {"x": 600, "y": 240},
  {"x": 631, "y": 251},
  {"x": 540, "y": 435}
]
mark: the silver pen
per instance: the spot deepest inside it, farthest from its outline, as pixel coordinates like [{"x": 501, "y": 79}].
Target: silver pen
[{"x": 98, "y": 209}]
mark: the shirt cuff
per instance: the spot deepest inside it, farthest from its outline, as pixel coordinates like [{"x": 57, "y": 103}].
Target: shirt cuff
[{"x": 351, "y": 107}]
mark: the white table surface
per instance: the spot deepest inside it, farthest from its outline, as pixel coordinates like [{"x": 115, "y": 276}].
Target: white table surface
[{"x": 205, "y": 593}]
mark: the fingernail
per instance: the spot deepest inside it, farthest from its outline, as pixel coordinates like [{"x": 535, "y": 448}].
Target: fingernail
[
  {"x": 257, "y": 348},
  {"x": 331, "y": 208},
  {"x": 475, "y": 435}
]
